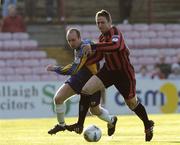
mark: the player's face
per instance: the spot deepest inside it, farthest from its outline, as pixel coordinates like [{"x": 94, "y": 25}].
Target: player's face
[
  {"x": 73, "y": 40},
  {"x": 103, "y": 24}
]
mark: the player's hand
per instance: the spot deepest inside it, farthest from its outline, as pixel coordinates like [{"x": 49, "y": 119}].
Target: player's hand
[
  {"x": 50, "y": 67},
  {"x": 87, "y": 49}
]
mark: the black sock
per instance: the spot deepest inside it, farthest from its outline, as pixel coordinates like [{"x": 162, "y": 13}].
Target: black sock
[
  {"x": 141, "y": 113},
  {"x": 83, "y": 108}
]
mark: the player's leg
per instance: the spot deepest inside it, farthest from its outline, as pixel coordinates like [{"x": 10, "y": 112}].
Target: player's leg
[
  {"x": 93, "y": 101},
  {"x": 84, "y": 105},
  {"x": 72, "y": 86},
  {"x": 102, "y": 113},
  {"x": 128, "y": 91},
  {"x": 80, "y": 79},
  {"x": 140, "y": 111},
  {"x": 63, "y": 93},
  {"x": 97, "y": 82},
  {"x": 103, "y": 97},
  {"x": 83, "y": 109},
  {"x": 83, "y": 79},
  {"x": 93, "y": 85},
  {"x": 96, "y": 109}
]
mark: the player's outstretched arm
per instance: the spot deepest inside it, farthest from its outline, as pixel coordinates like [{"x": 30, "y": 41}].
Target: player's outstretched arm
[
  {"x": 51, "y": 67},
  {"x": 59, "y": 69},
  {"x": 54, "y": 68}
]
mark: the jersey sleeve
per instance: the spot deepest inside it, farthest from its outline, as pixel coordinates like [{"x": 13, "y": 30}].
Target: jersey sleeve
[
  {"x": 94, "y": 58},
  {"x": 62, "y": 70},
  {"x": 74, "y": 67},
  {"x": 116, "y": 42}
]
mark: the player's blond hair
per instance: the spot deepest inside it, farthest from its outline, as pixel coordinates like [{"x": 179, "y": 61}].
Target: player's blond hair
[{"x": 104, "y": 13}]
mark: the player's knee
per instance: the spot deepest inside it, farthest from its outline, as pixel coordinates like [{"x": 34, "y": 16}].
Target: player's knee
[
  {"x": 58, "y": 99},
  {"x": 132, "y": 103},
  {"x": 95, "y": 111}
]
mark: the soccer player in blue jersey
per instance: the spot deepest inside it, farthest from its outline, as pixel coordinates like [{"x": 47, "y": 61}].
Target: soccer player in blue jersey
[{"x": 80, "y": 74}]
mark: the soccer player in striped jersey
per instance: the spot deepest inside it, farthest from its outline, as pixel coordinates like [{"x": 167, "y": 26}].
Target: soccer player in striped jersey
[
  {"x": 80, "y": 72},
  {"x": 117, "y": 69}
]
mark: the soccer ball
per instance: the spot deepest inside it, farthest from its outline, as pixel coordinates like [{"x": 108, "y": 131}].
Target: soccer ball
[{"x": 92, "y": 133}]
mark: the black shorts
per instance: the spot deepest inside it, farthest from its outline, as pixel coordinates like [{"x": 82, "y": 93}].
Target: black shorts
[
  {"x": 78, "y": 80},
  {"x": 124, "y": 81}
]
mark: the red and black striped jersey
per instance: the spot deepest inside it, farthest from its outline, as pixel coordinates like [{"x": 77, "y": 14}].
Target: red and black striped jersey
[{"x": 113, "y": 48}]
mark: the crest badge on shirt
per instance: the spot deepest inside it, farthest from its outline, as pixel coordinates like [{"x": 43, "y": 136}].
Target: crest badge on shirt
[{"x": 115, "y": 38}]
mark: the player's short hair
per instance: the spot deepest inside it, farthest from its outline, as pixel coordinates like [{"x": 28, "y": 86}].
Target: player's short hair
[
  {"x": 105, "y": 14},
  {"x": 75, "y": 30}
]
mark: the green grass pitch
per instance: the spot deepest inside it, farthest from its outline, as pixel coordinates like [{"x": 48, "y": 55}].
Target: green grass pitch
[{"x": 129, "y": 131}]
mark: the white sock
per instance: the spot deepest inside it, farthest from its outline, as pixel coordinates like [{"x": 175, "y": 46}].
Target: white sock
[
  {"x": 105, "y": 115},
  {"x": 60, "y": 110}
]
